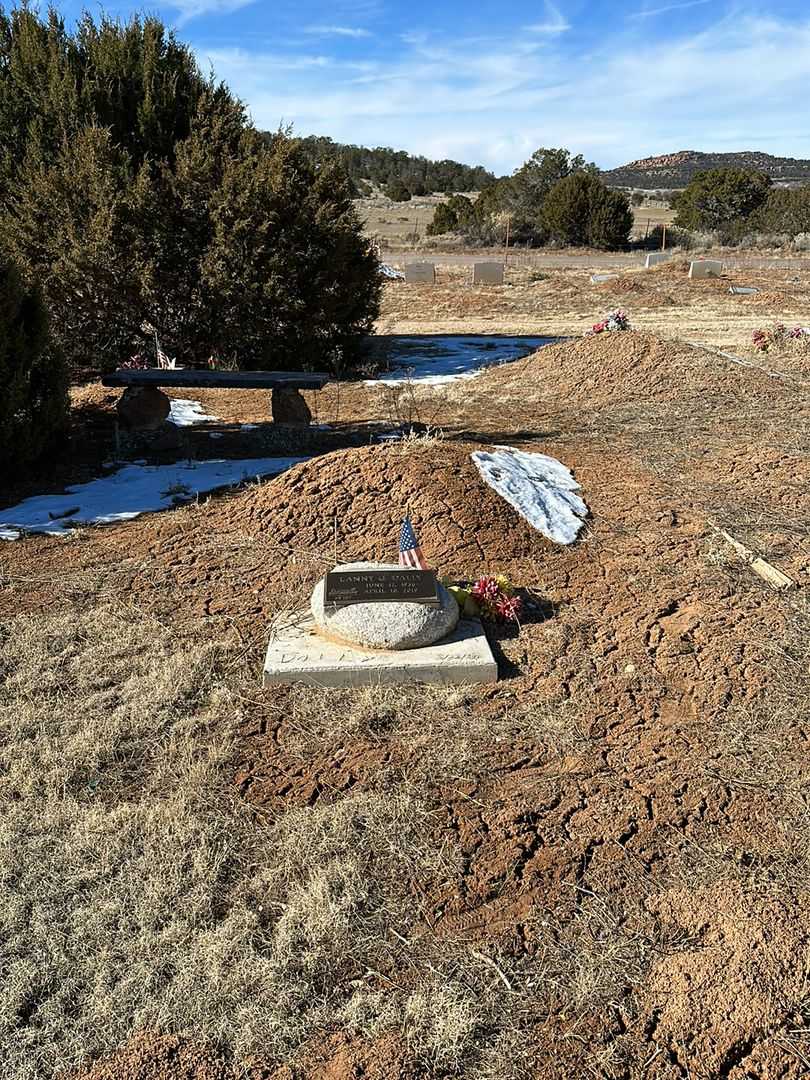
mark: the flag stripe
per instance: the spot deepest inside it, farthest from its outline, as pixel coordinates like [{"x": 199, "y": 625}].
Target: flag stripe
[{"x": 410, "y": 554}]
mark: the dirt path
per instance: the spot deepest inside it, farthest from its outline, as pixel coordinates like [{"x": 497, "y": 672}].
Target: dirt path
[{"x": 596, "y": 260}]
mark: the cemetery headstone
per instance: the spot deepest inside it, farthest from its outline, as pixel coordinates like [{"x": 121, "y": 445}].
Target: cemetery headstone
[
  {"x": 488, "y": 273},
  {"x": 743, "y": 290},
  {"x": 392, "y": 609},
  {"x": 600, "y": 279},
  {"x": 420, "y": 273},
  {"x": 705, "y": 268},
  {"x": 377, "y": 623},
  {"x": 656, "y": 257}
]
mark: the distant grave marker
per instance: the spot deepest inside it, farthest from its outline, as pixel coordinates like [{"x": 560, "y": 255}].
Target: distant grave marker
[
  {"x": 488, "y": 273},
  {"x": 743, "y": 290},
  {"x": 705, "y": 268},
  {"x": 599, "y": 279},
  {"x": 656, "y": 257},
  {"x": 420, "y": 273}
]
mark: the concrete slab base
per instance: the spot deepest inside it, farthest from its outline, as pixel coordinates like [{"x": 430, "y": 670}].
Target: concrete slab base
[{"x": 296, "y": 654}]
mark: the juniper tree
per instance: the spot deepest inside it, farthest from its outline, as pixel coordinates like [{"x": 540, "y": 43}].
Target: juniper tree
[
  {"x": 142, "y": 194},
  {"x": 581, "y": 210},
  {"x": 33, "y": 399},
  {"x": 721, "y": 198}
]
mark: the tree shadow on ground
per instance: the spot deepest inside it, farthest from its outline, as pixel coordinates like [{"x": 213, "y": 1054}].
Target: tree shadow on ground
[{"x": 505, "y": 437}]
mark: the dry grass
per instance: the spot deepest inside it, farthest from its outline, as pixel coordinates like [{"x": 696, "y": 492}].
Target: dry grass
[
  {"x": 135, "y": 893},
  {"x": 442, "y": 733}
]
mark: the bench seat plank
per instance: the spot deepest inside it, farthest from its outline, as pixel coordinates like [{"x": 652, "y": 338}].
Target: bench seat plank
[{"x": 236, "y": 380}]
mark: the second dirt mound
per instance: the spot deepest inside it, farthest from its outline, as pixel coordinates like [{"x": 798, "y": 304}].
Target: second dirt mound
[{"x": 605, "y": 369}]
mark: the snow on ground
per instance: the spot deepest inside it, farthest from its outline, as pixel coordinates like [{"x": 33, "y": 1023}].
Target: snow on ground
[
  {"x": 132, "y": 490},
  {"x": 539, "y": 487},
  {"x": 435, "y": 360},
  {"x": 389, "y": 272},
  {"x": 184, "y": 413}
]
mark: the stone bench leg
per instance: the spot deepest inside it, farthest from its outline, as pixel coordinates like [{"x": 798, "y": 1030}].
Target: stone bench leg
[
  {"x": 144, "y": 407},
  {"x": 289, "y": 407}
]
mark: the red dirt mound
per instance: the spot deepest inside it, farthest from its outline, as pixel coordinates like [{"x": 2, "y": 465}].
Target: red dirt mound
[
  {"x": 607, "y": 369},
  {"x": 749, "y": 965},
  {"x": 148, "y": 1056},
  {"x": 339, "y": 1056},
  {"x": 463, "y": 525},
  {"x": 623, "y": 285}
]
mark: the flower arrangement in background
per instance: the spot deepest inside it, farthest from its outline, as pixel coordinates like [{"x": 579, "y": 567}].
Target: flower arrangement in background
[
  {"x": 778, "y": 334},
  {"x": 491, "y": 597},
  {"x": 138, "y": 362},
  {"x": 613, "y": 321}
]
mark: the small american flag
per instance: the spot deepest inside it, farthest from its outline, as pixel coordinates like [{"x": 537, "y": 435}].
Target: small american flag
[{"x": 410, "y": 554}]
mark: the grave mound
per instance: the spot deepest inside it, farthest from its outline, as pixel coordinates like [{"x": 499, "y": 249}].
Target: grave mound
[
  {"x": 630, "y": 366},
  {"x": 464, "y": 527},
  {"x": 623, "y": 285}
]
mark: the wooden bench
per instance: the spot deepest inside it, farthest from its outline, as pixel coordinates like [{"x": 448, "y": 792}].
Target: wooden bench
[{"x": 143, "y": 404}]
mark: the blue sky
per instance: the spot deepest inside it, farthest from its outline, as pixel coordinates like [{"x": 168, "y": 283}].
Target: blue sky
[{"x": 490, "y": 82}]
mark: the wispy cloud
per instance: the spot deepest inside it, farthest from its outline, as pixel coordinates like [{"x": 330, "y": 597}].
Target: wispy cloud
[
  {"x": 238, "y": 64},
  {"x": 471, "y": 98},
  {"x": 193, "y": 9},
  {"x": 338, "y": 31},
  {"x": 650, "y": 12},
  {"x": 553, "y": 23}
]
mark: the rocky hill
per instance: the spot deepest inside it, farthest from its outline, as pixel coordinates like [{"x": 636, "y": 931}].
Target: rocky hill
[{"x": 676, "y": 170}]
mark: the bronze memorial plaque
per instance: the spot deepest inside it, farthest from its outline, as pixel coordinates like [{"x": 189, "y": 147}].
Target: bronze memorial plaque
[{"x": 345, "y": 587}]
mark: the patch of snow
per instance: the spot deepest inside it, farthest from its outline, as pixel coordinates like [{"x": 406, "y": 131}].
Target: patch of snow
[
  {"x": 131, "y": 491},
  {"x": 389, "y": 272},
  {"x": 540, "y": 488},
  {"x": 248, "y": 427},
  {"x": 435, "y": 361},
  {"x": 185, "y": 413}
]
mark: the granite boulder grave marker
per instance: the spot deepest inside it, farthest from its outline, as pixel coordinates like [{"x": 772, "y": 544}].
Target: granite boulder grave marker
[
  {"x": 391, "y": 613},
  {"x": 373, "y": 623}
]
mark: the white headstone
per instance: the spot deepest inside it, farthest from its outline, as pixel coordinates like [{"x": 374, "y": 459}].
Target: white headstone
[
  {"x": 705, "y": 268},
  {"x": 599, "y": 279},
  {"x": 743, "y": 290},
  {"x": 420, "y": 273},
  {"x": 488, "y": 273},
  {"x": 656, "y": 257}
]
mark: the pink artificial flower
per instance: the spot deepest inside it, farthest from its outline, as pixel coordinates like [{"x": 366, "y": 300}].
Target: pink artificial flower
[
  {"x": 486, "y": 591},
  {"x": 509, "y": 608}
]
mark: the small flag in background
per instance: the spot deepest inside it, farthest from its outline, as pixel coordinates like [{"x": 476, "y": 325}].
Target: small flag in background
[{"x": 410, "y": 554}]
